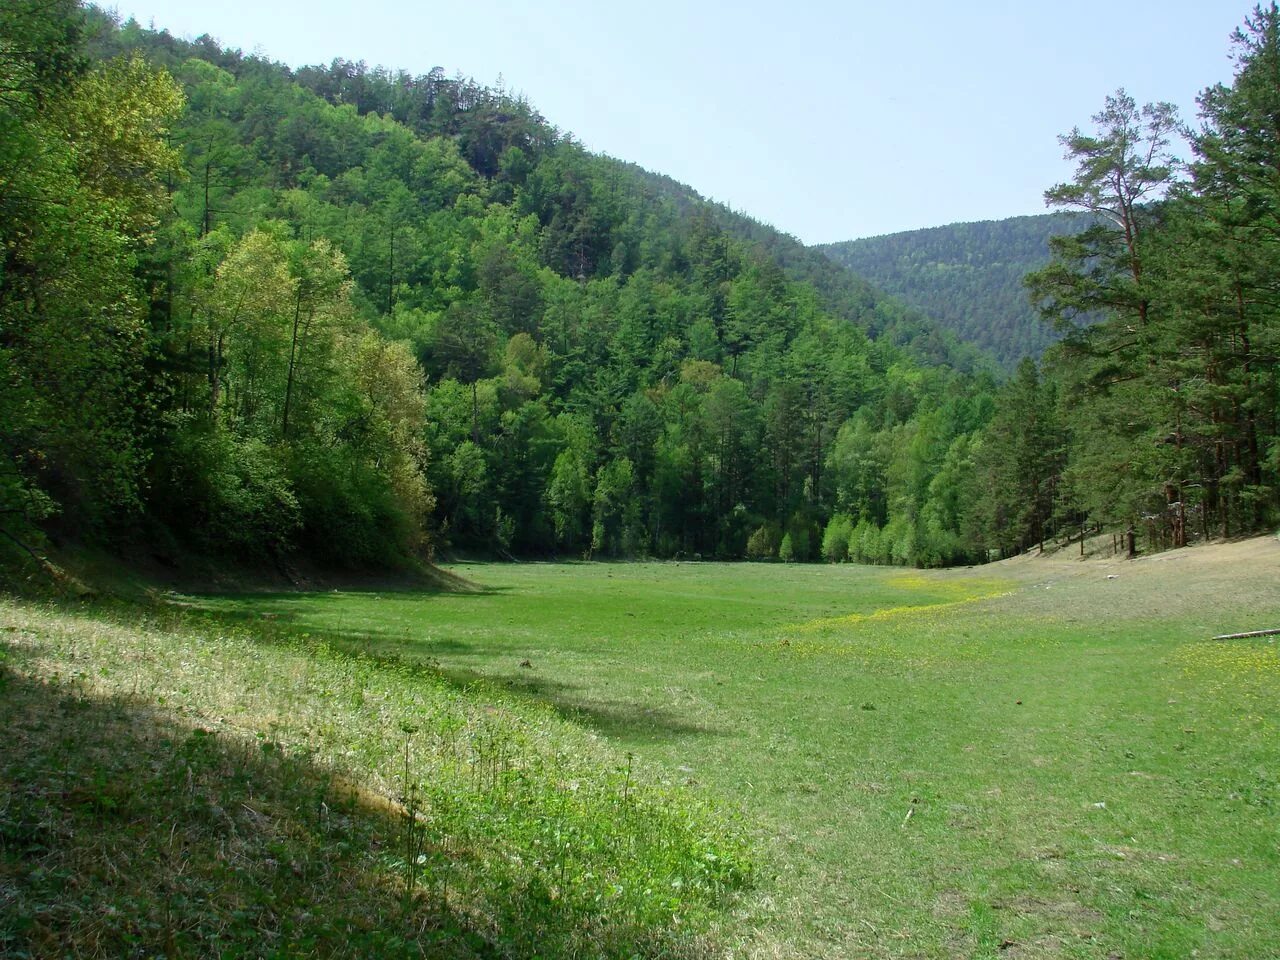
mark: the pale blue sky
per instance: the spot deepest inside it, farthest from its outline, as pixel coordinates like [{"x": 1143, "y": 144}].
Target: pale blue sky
[{"x": 827, "y": 120}]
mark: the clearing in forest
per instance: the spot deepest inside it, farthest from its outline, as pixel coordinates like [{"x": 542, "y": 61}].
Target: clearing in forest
[{"x": 1044, "y": 757}]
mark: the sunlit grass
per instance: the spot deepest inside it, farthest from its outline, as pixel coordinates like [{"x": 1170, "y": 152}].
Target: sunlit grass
[
  {"x": 1045, "y": 762},
  {"x": 958, "y": 593},
  {"x": 958, "y": 764},
  {"x": 470, "y": 822}
]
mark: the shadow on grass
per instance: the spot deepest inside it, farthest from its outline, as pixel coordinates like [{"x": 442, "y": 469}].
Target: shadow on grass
[
  {"x": 277, "y": 598},
  {"x": 125, "y": 831},
  {"x": 276, "y": 605},
  {"x": 626, "y": 722}
]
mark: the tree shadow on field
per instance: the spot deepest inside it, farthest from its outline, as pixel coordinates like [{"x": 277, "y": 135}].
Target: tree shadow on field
[
  {"x": 627, "y": 722},
  {"x": 268, "y": 607},
  {"x": 124, "y": 832},
  {"x": 127, "y": 831}
]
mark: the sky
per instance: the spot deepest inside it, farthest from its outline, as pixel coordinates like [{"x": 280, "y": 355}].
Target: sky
[{"x": 827, "y": 120}]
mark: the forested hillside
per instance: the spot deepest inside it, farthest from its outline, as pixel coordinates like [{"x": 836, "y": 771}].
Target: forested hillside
[
  {"x": 351, "y": 313},
  {"x": 354, "y": 315},
  {"x": 968, "y": 276}
]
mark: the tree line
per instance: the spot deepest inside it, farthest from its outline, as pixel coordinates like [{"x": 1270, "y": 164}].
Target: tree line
[
  {"x": 356, "y": 315},
  {"x": 1161, "y": 416}
]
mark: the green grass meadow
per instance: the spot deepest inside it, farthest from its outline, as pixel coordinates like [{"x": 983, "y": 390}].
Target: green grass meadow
[{"x": 1028, "y": 760}]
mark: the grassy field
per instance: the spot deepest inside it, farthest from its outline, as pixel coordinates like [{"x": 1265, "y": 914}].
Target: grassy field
[
  {"x": 176, "y": 784},
  {"x": 1042, "y": 758}
]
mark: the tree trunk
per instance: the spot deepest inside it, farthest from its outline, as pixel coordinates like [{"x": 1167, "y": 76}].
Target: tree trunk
[
  {"x": 293, "y": 357},
  {"x": 205, "y": 219},
  {"x": 391, "y": 274},
  {"x": 475, "y": 412},
  {"x": 215, "y": 374}
]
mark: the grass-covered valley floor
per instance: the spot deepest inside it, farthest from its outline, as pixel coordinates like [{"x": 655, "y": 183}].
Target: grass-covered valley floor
[{"x": 1042, "y": 758}]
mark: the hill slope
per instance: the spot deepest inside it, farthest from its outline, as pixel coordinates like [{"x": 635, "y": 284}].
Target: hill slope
[
  {"x": 968, "y": 276},
  {"x": 374, "y": 310}
]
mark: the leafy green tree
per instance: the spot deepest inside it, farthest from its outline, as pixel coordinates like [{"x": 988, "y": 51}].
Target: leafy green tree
[
  {"x": 464, "y": 349},
  {"x": 568, "y": 492},
  {"x": 1224, "y": 344},
  {"x": 764, "y": 542},
  {"x": 951, "y": 530},
  {"x": 474, "y": 509},
  {"x": 1122, "y": 169},
  {"x": 83, "y": 162},
  {"x": 568, "y": 496},
  {"x": 522, "y": 456},
  {"x": 384, "y": 431},
  {"x": 235, "y": 492},
  {"x": 246, "y": 314},
  {"x": 836, "y": 537},
  {"x": 1021, "y": 463},
  {"x": 216, "y": 159},
  {"x": 506, "y": 272},
  {"x": 615, "y": 519},
  {"x": 730, "y": 423},
  {"x": 865, "y": 544},
  {"x": 859, "y": 463},
  {"x": 321, "y": 314},
  {"x": 801, "y": 530}
]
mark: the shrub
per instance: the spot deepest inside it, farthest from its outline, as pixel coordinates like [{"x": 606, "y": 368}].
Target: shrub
[
  {"x": 865, "y": 544},
  {"x": 763, "y": 543},
  {"x": 230, "y": 493},
  {"x": 835, "y": 539},
  {"x": 801, "y": 540}
]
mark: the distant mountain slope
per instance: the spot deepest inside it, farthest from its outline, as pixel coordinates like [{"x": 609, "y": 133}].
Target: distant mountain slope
[{"x": 968, "y": 276}]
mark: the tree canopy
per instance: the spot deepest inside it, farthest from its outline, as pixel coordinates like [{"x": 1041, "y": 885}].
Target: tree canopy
[{"x": 357, "y": 315}]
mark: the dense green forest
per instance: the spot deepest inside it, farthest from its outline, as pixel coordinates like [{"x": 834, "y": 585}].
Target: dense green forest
[
  {"x": 353, "y": 315},
  {"x": 968, "y": 276},
  {"x": 351, "y": 312}
]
